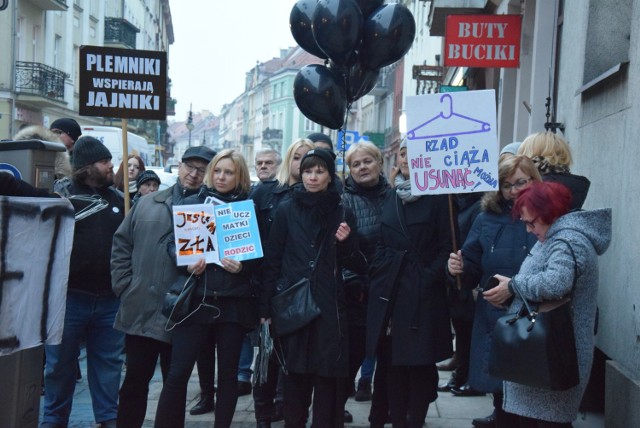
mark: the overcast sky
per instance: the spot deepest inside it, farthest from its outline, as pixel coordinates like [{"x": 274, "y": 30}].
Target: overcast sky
[{"x": 217, "y": 42}]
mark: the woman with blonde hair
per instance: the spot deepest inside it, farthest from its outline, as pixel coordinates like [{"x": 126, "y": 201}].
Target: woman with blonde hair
[
  {"x": 552, "y": 156},
  {"x": 223, "y": 307}
]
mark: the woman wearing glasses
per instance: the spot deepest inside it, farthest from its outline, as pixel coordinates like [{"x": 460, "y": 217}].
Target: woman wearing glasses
[
  {"x": 569, "y": 243},
  {"x": 496, "y": 244},
  {"x": 223, "y": 307}
]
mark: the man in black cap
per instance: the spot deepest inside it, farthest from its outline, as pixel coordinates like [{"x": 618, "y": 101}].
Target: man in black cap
[
  {"x": 91, "y": 305},
  {"x": 68, "y": 131},
  {"x": 142, "y": 272}
]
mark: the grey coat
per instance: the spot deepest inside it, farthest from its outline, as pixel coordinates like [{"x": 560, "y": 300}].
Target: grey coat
[
  {"x": 548, "y": 275},
  {"x": 141, "y": 268}
]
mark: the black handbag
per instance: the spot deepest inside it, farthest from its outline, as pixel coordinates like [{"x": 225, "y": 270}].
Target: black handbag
[
  {"x": 177, "y": 301},
  {"x": 294, "y": 307},
  {"x": 537, "y": 347}
]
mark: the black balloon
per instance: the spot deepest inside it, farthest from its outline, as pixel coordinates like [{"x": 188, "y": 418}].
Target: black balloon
[
  {"x": 337, "y": 28},
  {"x": 368, "y": 6},
  {"x": 388, "y": 34},
  {"x": 320, "y": 96},
  {"x": 300, "y": 24},
  {"x": 360, "y": 81}
]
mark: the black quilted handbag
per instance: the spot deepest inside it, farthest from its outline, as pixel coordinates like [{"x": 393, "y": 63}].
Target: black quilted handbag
[{"x": 537, "y": 347}]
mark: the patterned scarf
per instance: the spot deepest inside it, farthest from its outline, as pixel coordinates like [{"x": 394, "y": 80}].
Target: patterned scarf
[{"x": 403, "y": 189}]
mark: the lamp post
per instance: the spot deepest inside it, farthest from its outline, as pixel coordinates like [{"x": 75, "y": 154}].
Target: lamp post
[{"x": 190, "y": 123}]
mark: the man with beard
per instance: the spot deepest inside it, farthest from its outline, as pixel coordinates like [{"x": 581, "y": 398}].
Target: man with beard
[{"x": 91, "y": 304}]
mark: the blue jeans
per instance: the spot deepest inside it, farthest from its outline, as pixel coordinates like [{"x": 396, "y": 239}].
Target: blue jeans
[
  {"x": 91, "y": 318},
  {"x": 366, "y": 371},
  {"x": 246, "y": 359}
]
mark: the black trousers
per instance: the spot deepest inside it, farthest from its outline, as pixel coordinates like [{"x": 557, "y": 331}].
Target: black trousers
[
  {"x": 142, "y": 358},
  {"x": 357, "y": 352},
  {"x": 265, "y": 395},
  {"x": 328, "y": 403},
  {"x": 206, "y": 364},
  {"x": 463, "y": 328},
  {"x": 379, "y": 399},
  {"x": 187, "y": 342}
]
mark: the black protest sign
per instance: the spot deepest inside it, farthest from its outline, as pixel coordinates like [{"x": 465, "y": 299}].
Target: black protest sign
[{"x": 123, "y": 83}]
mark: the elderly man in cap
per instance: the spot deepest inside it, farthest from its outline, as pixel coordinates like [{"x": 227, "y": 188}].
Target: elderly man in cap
[
  {"x": 91, "y": 305},
  {"x": 68, "y": 131},
  {"x": 142, "y": 271}
]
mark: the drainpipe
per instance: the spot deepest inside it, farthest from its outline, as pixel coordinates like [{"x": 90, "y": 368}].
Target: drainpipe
[{"x": 12, "y": 88}]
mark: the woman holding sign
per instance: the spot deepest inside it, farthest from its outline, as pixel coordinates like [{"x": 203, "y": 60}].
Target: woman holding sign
[
  {"x": 408, "y": 325},
  {"x": 227, "y": 312},
  {"x": 312, "y": 237}
]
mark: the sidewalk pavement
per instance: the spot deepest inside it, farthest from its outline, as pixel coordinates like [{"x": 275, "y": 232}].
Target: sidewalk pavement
[{"x": 447, "y": 411}]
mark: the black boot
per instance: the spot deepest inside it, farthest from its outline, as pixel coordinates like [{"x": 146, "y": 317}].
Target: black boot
[
  {"x": 206, "y": 404},
  {"x": 263, "y": 424},
  {"x": 364, "y": 391}
]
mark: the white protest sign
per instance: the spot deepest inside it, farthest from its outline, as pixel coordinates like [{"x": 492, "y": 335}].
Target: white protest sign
[
  {"x": 195, "y": 231},
  {"x": 36, "y": 237},
  {"x": 451, "y": 142}
]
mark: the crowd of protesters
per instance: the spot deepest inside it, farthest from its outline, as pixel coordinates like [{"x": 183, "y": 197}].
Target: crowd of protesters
[{"x": 382, "y": 272}]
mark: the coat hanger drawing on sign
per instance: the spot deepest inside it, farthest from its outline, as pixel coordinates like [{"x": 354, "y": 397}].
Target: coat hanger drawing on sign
[{"x": 462, "y": 124}]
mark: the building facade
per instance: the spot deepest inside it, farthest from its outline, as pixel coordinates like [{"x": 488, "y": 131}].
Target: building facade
[{"x": 41, "y": 39}]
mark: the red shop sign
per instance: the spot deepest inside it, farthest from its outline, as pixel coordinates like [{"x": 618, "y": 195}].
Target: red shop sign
[{"x": 484, "y": 41}]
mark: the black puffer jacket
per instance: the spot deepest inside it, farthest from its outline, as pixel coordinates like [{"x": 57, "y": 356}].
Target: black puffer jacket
[{"x": 366, "y": 204}]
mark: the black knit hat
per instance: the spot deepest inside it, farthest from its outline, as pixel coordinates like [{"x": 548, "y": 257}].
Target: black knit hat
[
  {"x": 326, "y": 155},
  {"x": 147, "y": 175},
  {"x": 319, "y": 137},
  {"x": 68, "y": 126},
  {"x": 88, "y": 150}
]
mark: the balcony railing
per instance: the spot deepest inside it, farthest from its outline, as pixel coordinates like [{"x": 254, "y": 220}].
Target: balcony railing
[
  {"x": 39, "y": 79},
  {"x": 51, "y": 4},
  {"x": 119, "y": 31}
]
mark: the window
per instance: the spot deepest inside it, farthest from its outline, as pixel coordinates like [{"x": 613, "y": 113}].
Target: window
[
  {"x": 607, "y": 47},
  {"x": 57, "y": 52}
]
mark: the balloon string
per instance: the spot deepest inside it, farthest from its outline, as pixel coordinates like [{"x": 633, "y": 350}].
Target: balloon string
[{"x": 344, "y": 140}]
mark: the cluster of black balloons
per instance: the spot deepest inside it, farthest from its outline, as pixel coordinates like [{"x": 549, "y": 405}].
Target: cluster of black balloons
[{"x": 356, "y": 38}]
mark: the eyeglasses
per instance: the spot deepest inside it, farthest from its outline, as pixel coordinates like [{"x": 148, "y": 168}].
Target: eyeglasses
[
  {"x": 191, "y": 168},
  {"x": 506, "y": 186},
  {"x": 530, "y": 224}
]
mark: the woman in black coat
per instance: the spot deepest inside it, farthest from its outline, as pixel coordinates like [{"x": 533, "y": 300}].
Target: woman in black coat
[
  {"x": 315, "y": 357},
  {"x": 407, "y": 320},
  {"x": 223, "y": 307}
]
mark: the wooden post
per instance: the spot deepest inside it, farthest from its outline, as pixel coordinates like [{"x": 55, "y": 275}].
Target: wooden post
[
  {"x": 453, "y": 235},
  {"x": 125, "y": 165}
]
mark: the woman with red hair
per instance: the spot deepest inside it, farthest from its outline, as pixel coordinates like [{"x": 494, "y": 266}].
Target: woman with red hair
[{"x": 568, "y": 243}]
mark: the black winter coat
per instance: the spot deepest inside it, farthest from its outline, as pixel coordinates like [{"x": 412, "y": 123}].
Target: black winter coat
[
  {"x": 90, "y": 265},
  {"x": 366, "y": 203},
  {"x": 414, "y": 247},
  {"x": 299, "y": 228},
  {"x": 232, "y": 293}
]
